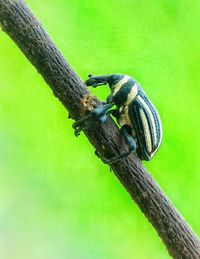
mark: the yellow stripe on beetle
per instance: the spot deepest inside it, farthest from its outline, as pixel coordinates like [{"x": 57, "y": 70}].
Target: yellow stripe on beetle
[
  {"x": 147, "y": 132},
  {"x": 152, "y": 121},
  {"x": 131, "y": 96},
  {"x": 118, "y": 85}
]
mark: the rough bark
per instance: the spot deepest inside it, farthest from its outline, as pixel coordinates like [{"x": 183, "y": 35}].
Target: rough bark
[{"x": 26, "y": 31}]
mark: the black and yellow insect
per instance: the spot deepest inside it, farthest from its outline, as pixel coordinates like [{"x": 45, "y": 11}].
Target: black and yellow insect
[{"x": 140, "y": 123}]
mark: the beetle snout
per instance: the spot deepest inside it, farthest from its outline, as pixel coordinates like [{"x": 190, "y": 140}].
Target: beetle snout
[{"x": 89, "y": 82}]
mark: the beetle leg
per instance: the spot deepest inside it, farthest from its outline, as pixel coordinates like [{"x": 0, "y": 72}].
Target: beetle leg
[
  {"x": 114, "y": 113},
  {"x": 125, "y": 131},
  {"x": 89, "y": 124},
  {"x": 96, "y": 115}
]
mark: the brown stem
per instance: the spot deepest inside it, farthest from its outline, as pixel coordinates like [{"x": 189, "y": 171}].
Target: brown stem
[{"x": 26, "y": 31}]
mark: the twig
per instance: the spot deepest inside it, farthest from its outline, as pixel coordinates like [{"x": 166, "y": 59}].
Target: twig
[{"x": 25, "y": 30}]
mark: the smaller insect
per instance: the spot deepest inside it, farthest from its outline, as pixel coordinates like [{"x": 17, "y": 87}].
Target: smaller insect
[{"x": 140, "y": 123}]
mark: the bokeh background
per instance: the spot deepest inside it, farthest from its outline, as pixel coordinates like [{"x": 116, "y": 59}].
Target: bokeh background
[{"x": 57, "y": 200}]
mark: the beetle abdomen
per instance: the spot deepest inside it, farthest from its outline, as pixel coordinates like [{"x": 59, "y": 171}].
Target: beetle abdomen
[{"x": 147, "y": 125}]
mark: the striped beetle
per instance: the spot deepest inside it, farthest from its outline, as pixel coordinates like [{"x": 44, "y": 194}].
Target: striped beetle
[{"x": 140, "y": 123}]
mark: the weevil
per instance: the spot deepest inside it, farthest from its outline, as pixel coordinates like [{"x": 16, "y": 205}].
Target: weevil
[{"x": 137, "y": 117}]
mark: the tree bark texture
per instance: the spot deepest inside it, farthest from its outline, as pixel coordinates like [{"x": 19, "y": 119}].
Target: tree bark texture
[{"x": 24, "y": 29}]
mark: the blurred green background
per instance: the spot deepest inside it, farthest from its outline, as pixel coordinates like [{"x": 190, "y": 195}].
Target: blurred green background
[{"x": 57, "y": 200}]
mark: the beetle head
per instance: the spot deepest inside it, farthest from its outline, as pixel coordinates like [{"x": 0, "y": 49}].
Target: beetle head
[{"x": 94, "y": 81}]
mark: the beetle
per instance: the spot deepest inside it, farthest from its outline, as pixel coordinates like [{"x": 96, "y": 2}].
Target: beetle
[{"x": 136, "y": 115}]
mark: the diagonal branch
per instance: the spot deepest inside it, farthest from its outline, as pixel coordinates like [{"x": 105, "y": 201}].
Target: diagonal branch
[{"x": 26, "y": 31}]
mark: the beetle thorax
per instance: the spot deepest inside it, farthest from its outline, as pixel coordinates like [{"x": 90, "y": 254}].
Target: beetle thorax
[
  {"x": 124, "y": 91},
  {"x": 116, "y": 86}
]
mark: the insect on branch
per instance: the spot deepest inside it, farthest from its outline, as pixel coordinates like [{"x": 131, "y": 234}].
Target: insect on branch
[{"x": 25, "y": 30}]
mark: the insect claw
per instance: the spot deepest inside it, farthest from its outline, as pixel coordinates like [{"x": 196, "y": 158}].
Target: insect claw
[
  {"x": 77, "y": 132},
  {"x": 103, "y": 159}
]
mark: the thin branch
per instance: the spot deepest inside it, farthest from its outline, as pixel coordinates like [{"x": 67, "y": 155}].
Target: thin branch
[{"x": 26, "y": 31}]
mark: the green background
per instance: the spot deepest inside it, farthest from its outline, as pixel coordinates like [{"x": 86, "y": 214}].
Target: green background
[{"x": 57, "y": 200}]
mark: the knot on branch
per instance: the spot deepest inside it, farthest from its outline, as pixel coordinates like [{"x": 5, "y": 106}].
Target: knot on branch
[{"x": 89, "y": 102}]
